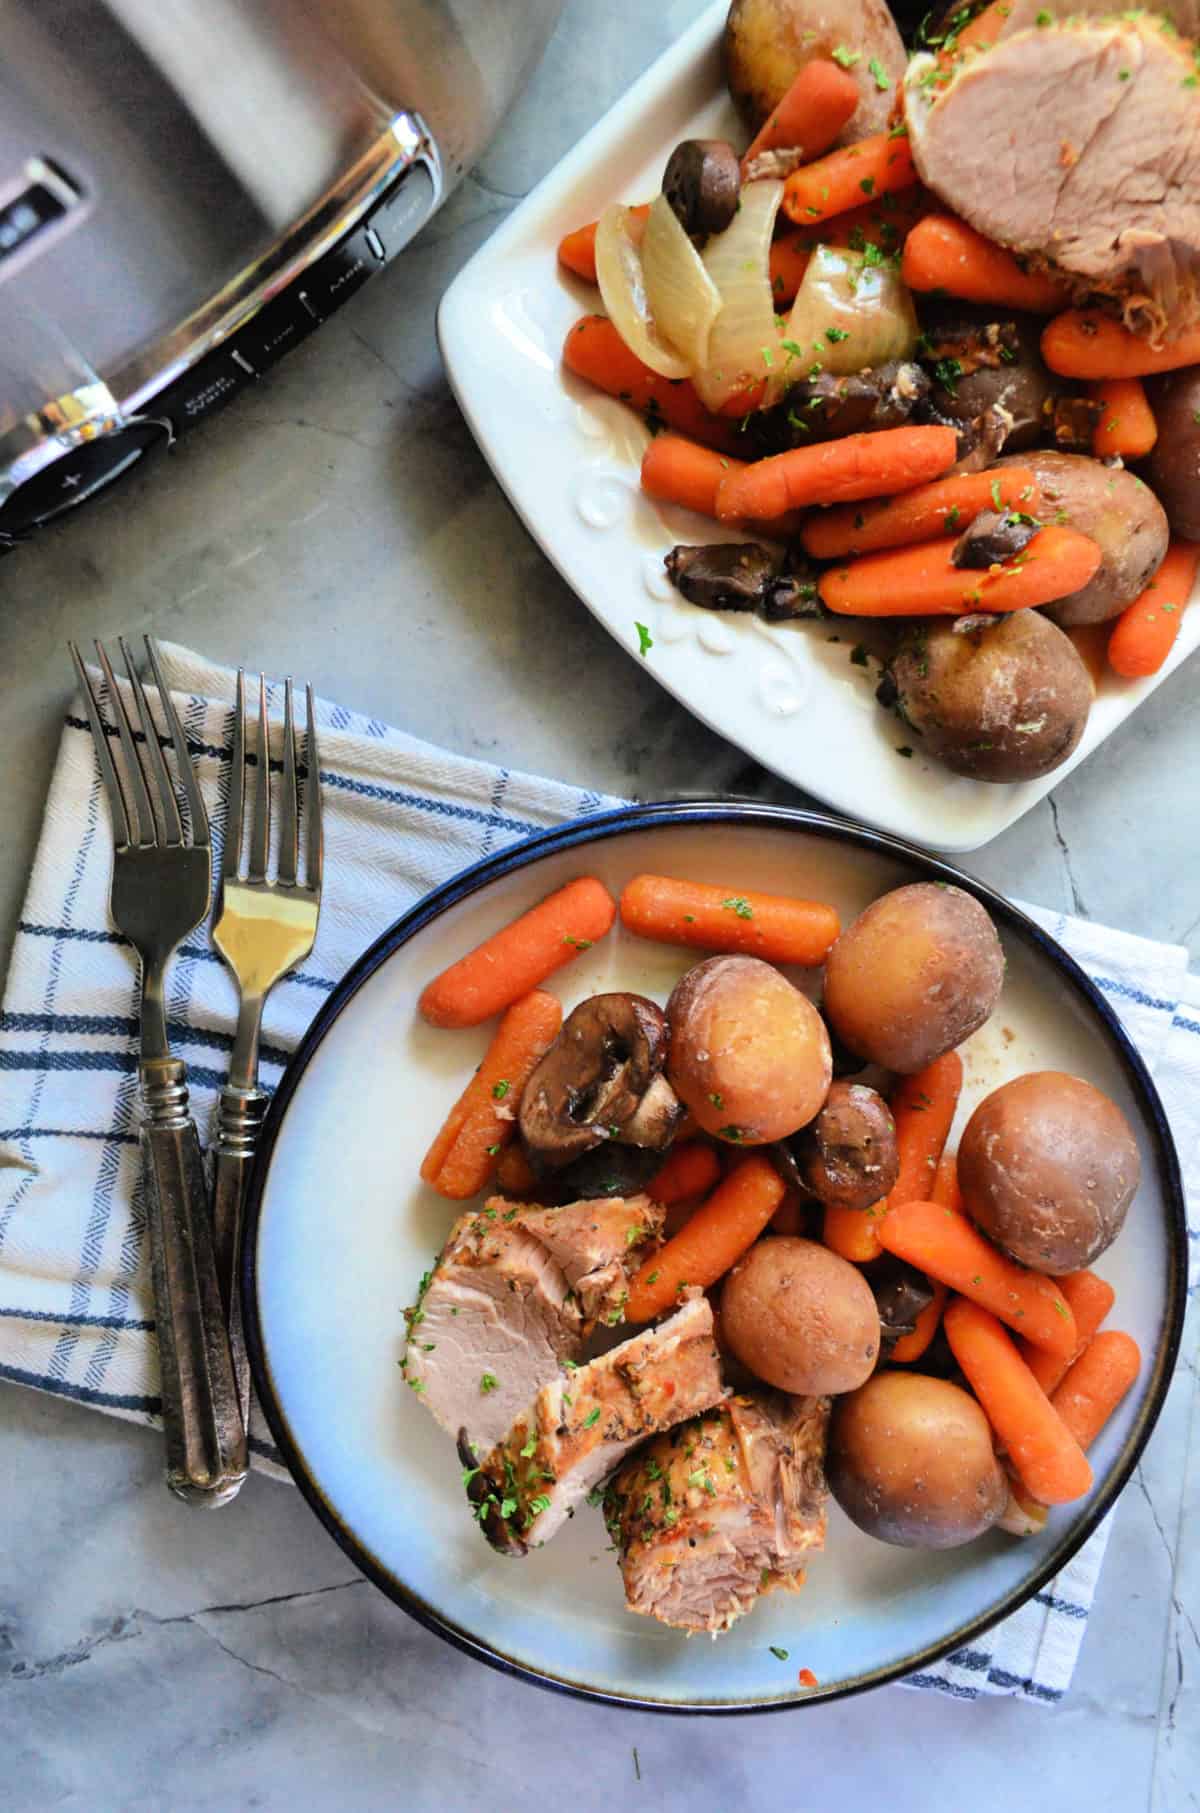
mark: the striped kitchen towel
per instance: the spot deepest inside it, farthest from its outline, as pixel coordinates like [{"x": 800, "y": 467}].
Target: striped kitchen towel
[{"x": 400, "y": 817}]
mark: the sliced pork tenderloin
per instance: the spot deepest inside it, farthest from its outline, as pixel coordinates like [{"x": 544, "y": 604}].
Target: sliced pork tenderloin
[
  {"x": 582, "y": 1425},
  {"x": 1024, "y": 15},
  {"x": 516, "y": 1290},
  {"x": 1079, "y": 145},
  {"x": 721, "y": 1510}
]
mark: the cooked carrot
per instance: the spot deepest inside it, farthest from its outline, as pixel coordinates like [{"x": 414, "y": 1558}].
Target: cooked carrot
[
  {"x": 577, "y": 250},
  {"x": 1090, "y": 1299},
  {"x": 944, "y": 253},
  {"x": 946, "y": 1245},
  {"x": 923, "y": 581},
  {"x": 1096, "y": 1384},
  {"x": 811, "y": 114},
  {"x": 882, "y": 224},
  {"x": 714, "y": 1239},
  {"x": 983, "y": 30},
  {"x": 945, "y": 507},
  {"x": 790, "y": 1217},
  {"x": 704, "y": 917},
  {"x": 1145, "y": 632},
  {"x": 854, "y": 1233},
  {"x": 515, "y": 1175},
  {"x": 789, "y": 258},
  {"x": 1041, "y": 1448},
  {"x": 838, "y": 472},
  {"x": 519, "y": 956},
  {"x": 483, "y": 1119},
  {"x": 1127, "y": 426},
  {"x": 879, "y": 165},
  {"x": 1084, "y": 344},
  {"x": 947, "y": 1195},
  {"x": 946, "y": 1188},
  {"x": 679, "y": 471},
  {"x": 594, "y": 350},
  {"x": 689, "y": 1171},
  {"x": 923, "y": 1107}
]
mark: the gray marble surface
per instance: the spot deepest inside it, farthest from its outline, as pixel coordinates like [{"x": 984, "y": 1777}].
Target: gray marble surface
[{"x": 339, "y": 522}]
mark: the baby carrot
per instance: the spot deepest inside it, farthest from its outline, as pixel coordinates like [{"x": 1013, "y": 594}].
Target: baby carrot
[
  {"x": 1096, "y": 1384},
  {"x": 1084, "y": 344},
  {"x": 882, "y": 223},
  {"x": 515, "y": 1175},
  {"x": 811, "y": 114},
  {"x": 947, "y": 1246},
  {"x": 714, "y": 1239},
  {"x": 696, "y": 914},
  {"x": 594, "y": 350},
  {"x": 984, "y": 29},
  {"x": 577, "y": 250},
  {"x": 923, "y": 581},
  {"x": 482, "y": 1120},
  {"x": 1042, "y": 1450},
  {"x": 519, "y": 956},
  {"x": 689, "y": 1171},
  {"x": 1090, "y": 1299},
  {"x": 838, "y": 472},
  {"x": 1127, "y": 426},
  {"x": 680, "y": 471},
  {"x": 947, "y": 1194},
  {"x": 923, "y": 1108},
  {"x": 788, "y": 261},
  {"x": 944, "y": 253},
  {"x": 874, "y": 166},
  {"x": 854, "y": 1233},
  {"x": 1145, "y": 632},
  {"x": 945, "y": 507}
]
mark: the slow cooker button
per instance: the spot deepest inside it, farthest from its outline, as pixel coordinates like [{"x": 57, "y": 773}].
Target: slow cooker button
[
  {"x": 339, "y": 274},
  {"x": 278, "y": 326},
  {"x": 79, "y": 474},
  {"x": 403, "y": 211},
  {"x": 200, "y": 392}
]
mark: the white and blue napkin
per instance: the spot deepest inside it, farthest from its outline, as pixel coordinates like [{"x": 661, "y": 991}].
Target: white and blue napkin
[{"x": 401, "y": 816}]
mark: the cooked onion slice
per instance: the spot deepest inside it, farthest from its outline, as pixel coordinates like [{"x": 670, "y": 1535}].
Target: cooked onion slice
[
  {"x": 623, "y": 287},
  {"x": 684, "y": 301},
  {"x": 848, "y": 315},
  {"x": 743, "y": 347}
]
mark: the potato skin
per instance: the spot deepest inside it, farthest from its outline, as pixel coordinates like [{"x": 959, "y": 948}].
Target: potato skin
[
  {"x": 848, "y": 1156},
  {"x": 1005, "y": 702},
  {"x": 1173, "y": 467},
  {"x": 1048, "y": 1167},
  {"x": 750, "y": 1054},
  {"x": 1118, "y": 511},
  {"x": 768, "y": 42},
  {"x": 910, "y": 1461},
  {"x": 913, "y": 976},
  {"x": 800, "y": 1317}
]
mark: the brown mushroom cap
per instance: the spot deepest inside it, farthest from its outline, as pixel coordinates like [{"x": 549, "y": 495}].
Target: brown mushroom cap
[
  {"x": 701, "y": 182},
  {"x": 591, "y": 1082}
]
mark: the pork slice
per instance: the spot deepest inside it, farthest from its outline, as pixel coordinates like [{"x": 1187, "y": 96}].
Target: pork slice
[
  {"x": 580, "y": 1427},
  {"x": 1023, "y": 15},
  {"x": 599, "y": 1243},
  {"x": 1079, "y": 145},
  {"x": 721, "y": 1510},
  {"x": 493, "y": 1324}
]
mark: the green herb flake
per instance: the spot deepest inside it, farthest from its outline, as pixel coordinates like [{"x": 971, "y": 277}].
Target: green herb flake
[
  {"x": 634, "y": 1235},
  {"x": 538, "y": 1505},
  {"x": 645, "y": 639},
  {"x": 882, "y": 79},
  {"x": 653, "y": 1278},
  {"x": 501, "y": 1089},
  {"x": 1044, "y": 18},
  {"x": 847, "y": 58},
  {"x": 592, "y": 1418},
  {"x": 716, "y": 1098},
  {"x": 488, "y": 1382},
  {"x": 996, "y": 497},
  {"x": 780, "y": 1655},
  {"x": 492, "y": 1151},
  {"x": 834, "y": 334},
  {"x": 581, "y": 944},
  {"x": 530, "y": 1448},
  {"x": 739, "y": 905},
  {"x": 867, "y": 185}
]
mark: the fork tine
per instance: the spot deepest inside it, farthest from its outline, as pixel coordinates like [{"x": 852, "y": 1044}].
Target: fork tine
[
  {"x": 165, "y": 806},
  {"x": 290, "y": 804},
  {"x": 108, "y": 768},
  {"x": 183, "y": 761},
  {"x": 314, "y": 841},
  {"x": 260, "y": 830},
  {"x": 232, "y": 863},
  {"x": 142, "y": 813}
]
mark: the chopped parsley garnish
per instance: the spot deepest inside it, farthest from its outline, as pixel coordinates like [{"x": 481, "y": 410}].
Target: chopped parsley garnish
[
  {"x": 633, "y": 1235},
  {"x": 592, "y": 1418},
  {"x": 996, "y": 498},
  {"x": 501, "y": 1089},
  {"x": 653, "y": 1278},
  {"x": 1044, "y": 18},
  {"x": 792, "y": 349},
  {"x": 739, "y": 905},
  {"x": 882, "y": 79},
  {"x": 538, "y": 1505},
  {"x": 834, "y": 334},
  {"x": 847, "y": 58},
  {"x": 947, "y": 373},
  {"x": 530, "y": 1448},
  {"x": 952, "y": 516},
  {"x": 732, "y": 1133},
  {"x": 488, "y": 1382},
  {"x": 581, "y": 944},
  {"x": 780, "y": 1655},
  {"x": 645, "y": 639},
  {"x": 867, "y": 185},
  {"x": 492, "y": 1151},
  {"x": 716, "y": 1098}
]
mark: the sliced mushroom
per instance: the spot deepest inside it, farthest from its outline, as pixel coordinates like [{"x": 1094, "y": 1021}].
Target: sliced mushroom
[
  {"x": 823, "y": 408},
  {"x": 653, "y": 1122},
  {"x": 701, "y": 182},
  {"x": 590, "y": 1082},
  {"x": 901, "y": 1293},
  {"x": 744, "y": 576},
  {"x": 1076, "y": 420},
  {"x": 992, "y": 537},
  {"x": 608, "y": 1170}
]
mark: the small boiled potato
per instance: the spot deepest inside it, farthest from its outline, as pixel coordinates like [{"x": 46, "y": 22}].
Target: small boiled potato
[
  {"x": 847, "y": 1156},
  {"x": 913, "y": 976},
  {"x": 1048, "y": 1167},
  {"x": 800, "y": 1317},
  {"x": 1173, "y": 468},
  {"x": 768, "y": 42},
  {"x": 911, "y": 1462},
  {"x": 1005, "y": 700},
  {"x": 1118, "y": 511},
  {"x": 749, "y": 1053}
]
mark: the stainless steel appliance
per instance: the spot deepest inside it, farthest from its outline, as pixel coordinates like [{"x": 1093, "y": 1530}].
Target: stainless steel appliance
[{"x": 190, "y": 187}]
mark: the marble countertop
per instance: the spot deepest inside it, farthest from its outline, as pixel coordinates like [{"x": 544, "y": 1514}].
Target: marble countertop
[{"x": 339, "y": 522}]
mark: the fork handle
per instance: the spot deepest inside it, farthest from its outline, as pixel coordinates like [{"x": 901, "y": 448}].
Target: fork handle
[
  {"x": 239, "y": 1121},
  {"x": 202, "y": 1421}
]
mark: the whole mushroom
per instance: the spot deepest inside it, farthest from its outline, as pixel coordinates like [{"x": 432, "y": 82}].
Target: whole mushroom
[{"x": 600, "y": 1080}]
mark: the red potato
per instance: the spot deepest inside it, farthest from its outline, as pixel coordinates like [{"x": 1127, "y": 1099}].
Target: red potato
[{"x": 800, "y": 1317}]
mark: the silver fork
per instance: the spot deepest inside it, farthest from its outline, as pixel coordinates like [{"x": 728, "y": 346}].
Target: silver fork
[
  {"x": 161, "y": 885},
  {"x": 264, "y": 928}
]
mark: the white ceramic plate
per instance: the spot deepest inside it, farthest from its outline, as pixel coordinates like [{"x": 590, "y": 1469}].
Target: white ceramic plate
[
  {"x": 569, "y": 461},
  {"x": 340, "y": 1231}
]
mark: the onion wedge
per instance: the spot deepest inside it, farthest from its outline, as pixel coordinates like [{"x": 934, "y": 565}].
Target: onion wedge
[
  {"x": 848, "y": 315},
  {"x": 683, "y": 299},
  {"x": 743, "y": 347},
  {"x": 622, "y": 283}
]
